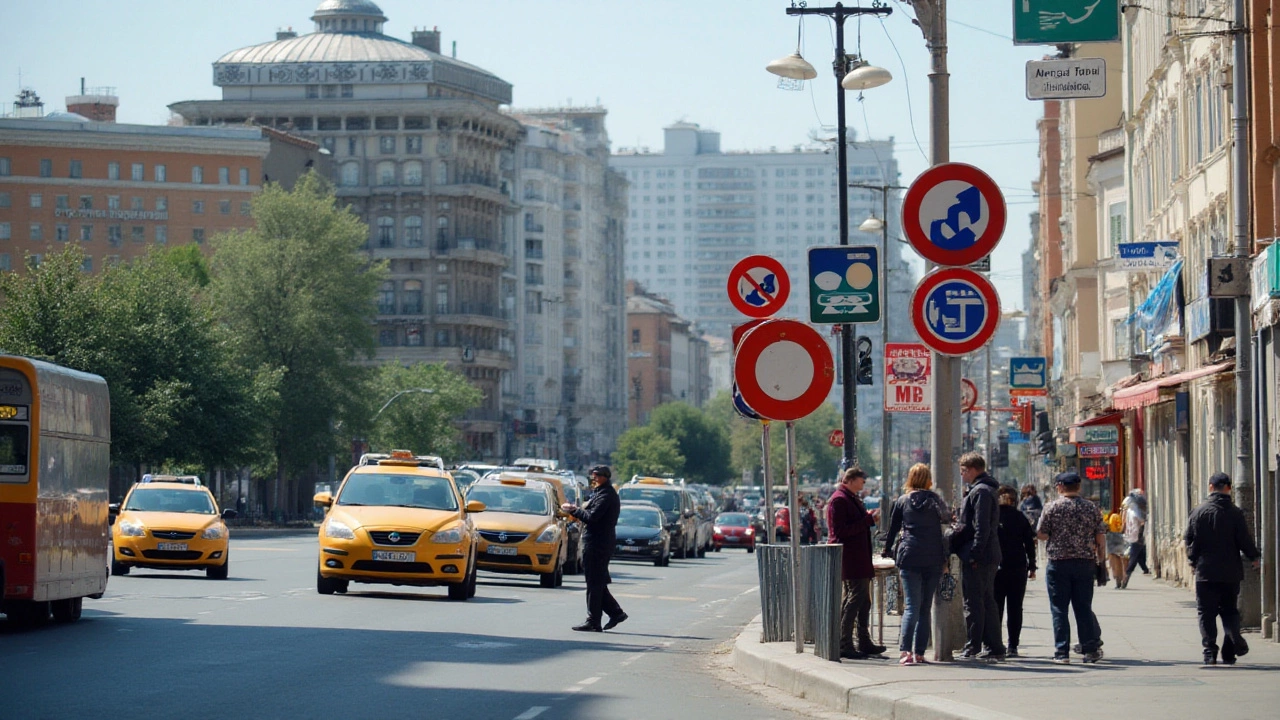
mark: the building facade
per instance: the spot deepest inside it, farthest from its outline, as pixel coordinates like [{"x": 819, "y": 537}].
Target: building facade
[{"x": 667, "y": 359}]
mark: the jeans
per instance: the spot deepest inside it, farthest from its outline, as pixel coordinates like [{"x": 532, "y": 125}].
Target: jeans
[
  {"x": 1070, "y": 583},
  {"x": 918, "y": 587},
  {"x": 1011, "y": 588},
  {"x": 981, "y": 613},
  {"x": 1214, "y": 599},
  {"x": 1137, "y": 556},
  {"x": 855, "y": 614}
]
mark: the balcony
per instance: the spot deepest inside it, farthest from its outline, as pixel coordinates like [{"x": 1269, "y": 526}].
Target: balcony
[
  {"x": 533, "y": 279},
  {"x": 534, "y": 227},
  {"x": 411, "y": 308},
  {"x": 533, "y": 253},
  {"x": 473, "y": 248}
]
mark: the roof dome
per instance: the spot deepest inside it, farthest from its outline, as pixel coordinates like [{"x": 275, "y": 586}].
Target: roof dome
[{"x": 348, "y": 16}]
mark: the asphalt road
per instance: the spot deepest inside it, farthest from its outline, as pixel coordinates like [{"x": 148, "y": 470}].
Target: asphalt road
[{"x": 264, "y": 644}]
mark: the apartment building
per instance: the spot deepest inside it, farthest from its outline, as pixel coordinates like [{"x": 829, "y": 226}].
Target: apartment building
[{"x": 667, "y": 359}]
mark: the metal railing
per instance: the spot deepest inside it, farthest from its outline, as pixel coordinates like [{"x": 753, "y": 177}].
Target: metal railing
[{"x": 820, "y": 593}]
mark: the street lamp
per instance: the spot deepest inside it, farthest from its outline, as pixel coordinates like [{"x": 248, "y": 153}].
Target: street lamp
[{"x": 393, "y": 398}]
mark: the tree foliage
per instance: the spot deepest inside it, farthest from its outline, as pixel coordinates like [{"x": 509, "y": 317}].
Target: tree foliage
[
  {"x": 703, "y": 444},
  {"x": 416, "y": 420},
  {"x": 645, "y": 451}
]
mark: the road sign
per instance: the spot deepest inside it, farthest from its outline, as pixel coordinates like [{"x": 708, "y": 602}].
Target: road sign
[
  {"x": 1098, "y": 450},
  {"x": 739, "y": 331},
  {"x": 1017, "y": 437},
  {"x": 836, "y": 438},
  {"x": 758, "y": 286},
  {"x": 1033, "y": 392},
  {"x": 982, "y": 266},
  {"x": 1028, "y": 373},
  {"x": 1049, "y": 22},
  {"x": 907, "y": 373},
  {"x": 844, "y": 284},
  {"x": 968, "y": 395},
  {"x": 740, "y": 406},
  {"x": 1148, "y": 255},
  {"x": 1096, "y": 434},
  {"x": 953, "y": 214},
  {"x": 1067, "y": 79},
  {"x": 1228, "y": 277},
  {"x": 784, "y": 369},
  {"x": 955, "y": 310}
]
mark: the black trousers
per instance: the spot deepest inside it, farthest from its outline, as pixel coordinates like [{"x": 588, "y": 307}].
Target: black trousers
[
  {"x": 1214, "y": 600},
  {"x": 981, "y": 613},
  {"x": 595, "y": 568},
  {"x": 855, "y": 614},
  {"x": 1011, "y": 588},
  {"x": 1137, "y": 556}
]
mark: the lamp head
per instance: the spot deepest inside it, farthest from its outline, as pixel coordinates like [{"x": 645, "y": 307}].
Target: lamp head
[
  {"x": 865, "y": 76},
  {"x": 872, "y": 224},
  {"x": 793, "y": 67}
]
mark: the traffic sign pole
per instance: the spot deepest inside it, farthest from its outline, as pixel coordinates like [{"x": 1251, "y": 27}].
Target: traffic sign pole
[{"x": 768, "y": 480}]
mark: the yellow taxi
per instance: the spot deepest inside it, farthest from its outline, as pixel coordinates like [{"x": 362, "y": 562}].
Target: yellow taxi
[
  {"x": 399, "y": 520},
  {"x": 170, "y": 522},
  {"x": 544, "y": 470},
  {"x": 523, "y": 529}
]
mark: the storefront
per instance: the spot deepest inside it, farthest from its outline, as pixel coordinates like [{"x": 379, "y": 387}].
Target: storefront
[{"x": 1101, "y": 452}]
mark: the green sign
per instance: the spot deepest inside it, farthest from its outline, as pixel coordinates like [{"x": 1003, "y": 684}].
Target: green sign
[
  {"x": 1048, "y": 22},
  {"x": 844, "y": 284}
]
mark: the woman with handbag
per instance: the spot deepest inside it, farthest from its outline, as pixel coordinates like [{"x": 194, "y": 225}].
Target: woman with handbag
[{"x": 915, "y": 531}]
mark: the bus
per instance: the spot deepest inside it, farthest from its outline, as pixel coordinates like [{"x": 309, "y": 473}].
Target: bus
[{"x": 55, "y": 454}]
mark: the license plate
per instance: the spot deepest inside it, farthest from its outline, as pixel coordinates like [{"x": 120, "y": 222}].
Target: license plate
[
  {"x": 629, "y": 548},
  {"x": 171, "y": 546},
  {"x": 393, "y": 556},
  {"x": 499, "y": 550},
  {"x": 731, "y": 538}
]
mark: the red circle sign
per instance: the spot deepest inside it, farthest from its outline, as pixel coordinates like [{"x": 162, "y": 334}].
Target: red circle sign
[
  {"x": 953, "y": 214},
  {"x": 758, "y": 286},
  {"x": 784, "y": 369},
  {"x": 955, "y": 311},
  {"x": 836, "y": 438},
  {"x": 968, "y": 395}
]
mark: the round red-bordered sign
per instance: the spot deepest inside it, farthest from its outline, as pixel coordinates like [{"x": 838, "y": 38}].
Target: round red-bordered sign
[
  {"x": 835, "y": 438},
  {"x": 784, "y": 369},
  {"x": 758, "y": 286},
  {"x": 953, "y": 214},
  {"x": 968, "y": 395},
  {"x": 955, "y": 311}
]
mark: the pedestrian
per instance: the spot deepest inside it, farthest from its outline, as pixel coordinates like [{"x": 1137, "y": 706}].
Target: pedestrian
[
  {"x": 1216, "y": 536},
  {"x": 979, "y": 551},
  {"x": 1115, "y": 549},
  {"x": 782, "y": 524},
  {"x": 808, "y": 522},
  {"x": 915, "y": 543},
  {"x": 600, "y": 515},
  {"x": 1134, "y": 508},
  {"x": 1017, "y": 564},
  {"x": 1031, "y": 505},
  {"x": 850, "y": 525},
  {"x": 1075, "y": 535}
]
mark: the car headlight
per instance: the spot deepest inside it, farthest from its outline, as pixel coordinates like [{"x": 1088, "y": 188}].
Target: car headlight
[
  {"x": 335, "y": 529},
  {"x": 214, "y": 532},
  {"x": 548, "y": 535},
  {"x": 452, "y": 536},
  {"x": 749, "y": 531},
  {"x": 656, "y": 540},
  {"x": 131, "y": 528}
]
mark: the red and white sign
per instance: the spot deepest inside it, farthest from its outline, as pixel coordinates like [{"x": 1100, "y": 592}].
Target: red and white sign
[
  {"x": 1028, "y": 392},
  {"x": 1098, "y": 450},
  {"x": 836, "y": 438},
  {"x": 953, "y": 214},
  {"x": 758, "y": 286},
  {"x": 955, "y": 311},
  {"x": 968, "y": 395},
  {"x": 740, "y": 331},
  {"x": 908, "y": 370},
  {"x": 784, "y": 369}
]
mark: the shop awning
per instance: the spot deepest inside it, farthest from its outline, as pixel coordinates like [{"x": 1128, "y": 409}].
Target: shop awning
[{"x": 1147, "y": 393}]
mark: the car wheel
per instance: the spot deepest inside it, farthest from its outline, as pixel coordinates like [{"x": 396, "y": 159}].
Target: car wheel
[
  {"x": 548, "y": 580},
  {"x": 324, "y": 585},
  {"x": 67, "y": 610},
  {"x": 119, "y": 568},
  {"x": 458, "y": 591},
  {"x": 702, "y": 551},
  {"x": 218, "y": 572},
  {"x": 471, "y": 584}
]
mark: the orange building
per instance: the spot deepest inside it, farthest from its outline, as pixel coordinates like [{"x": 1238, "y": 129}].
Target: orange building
[{"x": 119, "y": 189}]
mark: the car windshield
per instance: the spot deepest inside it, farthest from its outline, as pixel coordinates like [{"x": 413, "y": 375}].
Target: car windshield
[
  {"x": 639, "y": 517},
  {"x": 668, "y": 500},
  {"x": 170, "y": 500},
  {"x": 510, "y": 498},
  {"x": 416, "y": 491},
  {"x": 733, "y": 519}
]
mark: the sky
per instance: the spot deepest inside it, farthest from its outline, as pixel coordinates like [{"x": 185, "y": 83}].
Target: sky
[{"x": 648, "y": 62}]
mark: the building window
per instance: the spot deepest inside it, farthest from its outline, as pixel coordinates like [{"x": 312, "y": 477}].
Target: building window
[
  {"x": 413, "y": 144},
  {"x": 162, "y": 204},
  {"x": 244, "y": 176},
  {"x": 442, "y": 172},
  {"x": 350, "y": 174},
  {"x": 135, "y": 204},
  {"x": 411, "y": 300},
  {"x": 245, "y": 208},
  {"x": 62, "y": 232},
  {"x": 76, "y": 170},
  {"x": 113, "y": 171},
  {"x": 86, "y": 265},
  {"x": 387, "y": 337},
  {"x": 37, "y": 200},
  {"x": 197, "y": 235},
  {"x": 197, "y": 174},
  {"x": 413, "y": 336},
  {"x": 162, "y": 234},
  {"x": 5, "y": 199},
  {"x": 197, "y": 207},
  {"x": 37, "y": 232},
  {"x": 4, "y": 262},
  {"x": 387, "y": 144},
  {"x": 413, "y": 231},
  {"x": 86, "y": 233},
  {"x": 224, "y": 207},
  {"x": 138, "y": 234},
  {"x": 115, "y": 235},
  {"x": 86, "y": 202},
  {"x": 113, "y": 202},
  {"x": 224, "y": 176},
  {"x": 6, "y": 231},
  {"x": 161, "y": 173},
  {"x": 1115, "y": 228},
  {"x": 413, "y": 173},
  {"x": 635, "y": 336},
  {"x": 386, "y": 173},
  {"x": 387, "y": 298},
  {"x": 386, "y": 232},
  {"x": 46, "y": 168},
  {"x": 6, "y": 167},
  {"x": 348, "y": 91},
  {"x": 313, "y": 92},
  {"x": 33, "y": 261},
  {"x": 532, "y": 302},
  {"x": 136, "y": 172},
  {"x": 62, "y": 202},
  {"x": 442, "y": 299}
]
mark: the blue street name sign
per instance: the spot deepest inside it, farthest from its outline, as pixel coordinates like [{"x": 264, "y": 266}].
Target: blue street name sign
[
  {"x": 1028, "y": 373},
  {"x": 1017, "y": 437}
]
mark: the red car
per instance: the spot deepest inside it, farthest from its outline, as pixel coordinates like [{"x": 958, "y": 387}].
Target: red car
[{"x": 733, "y": 529}]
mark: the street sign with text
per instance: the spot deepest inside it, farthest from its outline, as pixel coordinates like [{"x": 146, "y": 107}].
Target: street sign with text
[
  {"x": 907, "y": 373},
  {"x": 1066, "y": 79},
  {"x": 1050, "y": 22}
]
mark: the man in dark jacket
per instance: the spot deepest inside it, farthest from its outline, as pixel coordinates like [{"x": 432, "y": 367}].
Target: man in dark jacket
[
  {"x": 980, "y": 518},
  {"x": 1216, "y": 535},
  {"x": 1017, "y": 563},
  {"x": 850, "y": 524},
  {"x": 600, "y": 515}
]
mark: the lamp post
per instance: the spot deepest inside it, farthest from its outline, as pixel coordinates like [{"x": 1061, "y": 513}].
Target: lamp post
[{"x": 393, "y": 398}]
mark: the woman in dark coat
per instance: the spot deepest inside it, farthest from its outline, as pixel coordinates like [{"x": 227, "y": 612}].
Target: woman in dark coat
[
  {"x": 1018, "y": 563},
  {"x": 918, "y": 517}
]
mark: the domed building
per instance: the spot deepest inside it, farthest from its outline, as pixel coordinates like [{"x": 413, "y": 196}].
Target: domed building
[{"x": 424, "y": 156}]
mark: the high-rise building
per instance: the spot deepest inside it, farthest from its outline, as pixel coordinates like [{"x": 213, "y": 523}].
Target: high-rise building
[{"x": 425, "y": 157}]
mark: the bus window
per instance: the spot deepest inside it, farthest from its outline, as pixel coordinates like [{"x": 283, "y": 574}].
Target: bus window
[{"x": 14, "y": 443}]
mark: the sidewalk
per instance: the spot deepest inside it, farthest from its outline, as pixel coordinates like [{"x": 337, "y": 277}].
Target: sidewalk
[{"x": 1151, "y": 670}]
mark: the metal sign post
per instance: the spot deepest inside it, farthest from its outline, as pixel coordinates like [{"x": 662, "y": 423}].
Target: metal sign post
[
  {"x": 793, "y": 499},
  {"x": 768, "y": 480}
]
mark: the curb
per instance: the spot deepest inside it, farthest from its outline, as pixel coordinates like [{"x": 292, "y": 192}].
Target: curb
[{"x": 837, "y": 687}]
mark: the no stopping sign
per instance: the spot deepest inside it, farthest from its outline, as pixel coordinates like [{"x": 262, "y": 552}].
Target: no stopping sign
[{"x": 784, "y": 369}]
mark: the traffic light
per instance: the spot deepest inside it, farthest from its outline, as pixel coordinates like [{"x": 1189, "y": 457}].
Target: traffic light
[
  {"x": 1000, "y": 453},
  {"x": 864, "y": 360},
  {"x": 1046, "y": 444}
]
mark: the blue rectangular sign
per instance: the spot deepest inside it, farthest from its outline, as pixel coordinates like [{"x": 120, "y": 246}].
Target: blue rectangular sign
[
  {"x": 1028, "y": 373},
  {"x": 1148, "y": 255},
  {"x": 844, "y": 284},
  {"x": 1018, "y": 438}
]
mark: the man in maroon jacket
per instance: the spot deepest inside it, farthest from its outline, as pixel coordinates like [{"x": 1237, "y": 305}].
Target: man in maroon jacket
[{"x": 850, "y": 524}]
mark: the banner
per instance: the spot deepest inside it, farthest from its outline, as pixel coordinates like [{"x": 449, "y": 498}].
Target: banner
[{"x": 908, "y": 372}]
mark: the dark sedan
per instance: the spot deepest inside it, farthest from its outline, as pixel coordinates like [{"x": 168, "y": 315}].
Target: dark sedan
[
  {"x": 642, "y": 535},
  {"x": 734, "y": 530}
]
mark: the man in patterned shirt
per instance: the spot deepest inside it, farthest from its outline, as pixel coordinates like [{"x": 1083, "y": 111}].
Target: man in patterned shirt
[{"x": 1076, "y": 537}]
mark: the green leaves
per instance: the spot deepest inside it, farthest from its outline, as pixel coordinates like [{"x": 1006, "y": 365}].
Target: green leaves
[
  {"x": 645, "y": 451},
  {"x": 418, "y": 420}
]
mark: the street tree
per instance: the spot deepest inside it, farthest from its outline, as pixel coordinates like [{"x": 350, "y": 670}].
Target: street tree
[
  {"x": 702, "y": 442},
  {"x": 644, "y": 451},
  {"x": 421, "y": 402},
  {"x": 297, "y": 294}
]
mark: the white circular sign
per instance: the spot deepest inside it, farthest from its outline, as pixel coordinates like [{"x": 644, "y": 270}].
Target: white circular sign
[{"x": 784, "y": 370}]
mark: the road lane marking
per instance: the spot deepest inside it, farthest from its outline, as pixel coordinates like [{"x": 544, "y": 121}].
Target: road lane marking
[
  {"x": 632, "y": 595},
  {"x": 677, "y": 597},
  {"x": 532, "y": 712},
  {"x": 242, "y": 548},
  {"x": 589, "y": 681}
]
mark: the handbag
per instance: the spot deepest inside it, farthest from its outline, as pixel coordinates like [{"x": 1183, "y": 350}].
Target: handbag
[{"x": 1100, "y": 574}]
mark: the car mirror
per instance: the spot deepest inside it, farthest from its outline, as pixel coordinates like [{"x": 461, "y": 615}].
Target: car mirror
[
  {"x": 229, "y": 514},
  {"x": 323, "y": 499},
  {"x": 475, "y": 506},
  {"x": 112, "y": 511}
]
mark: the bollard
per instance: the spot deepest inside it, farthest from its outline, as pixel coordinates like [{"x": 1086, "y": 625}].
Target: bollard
[{"x": 773, "y": 563}]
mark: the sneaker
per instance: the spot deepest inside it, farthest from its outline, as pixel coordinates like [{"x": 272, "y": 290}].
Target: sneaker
[
  {"x": 969, "y": 654},
  {"x": 851, "y": 654},
  {"x": 1094, "y": 656},
  {"x": 907, "y": 659},
  {"x": 615, "y": 621},
  {"x": 587, "y": 627},
  {"x": 871, "y": 648},
  {"x": 920, "y": 660},
  {"x": 989, "y": 656},
  {"x": 1210, "y": 657},
  {"x": 1012, "y": 651},
  {"x": 1076, "y": 649},
  {"x": 1062, "y": 659},
  {"x": 1240, "y": 646}
]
